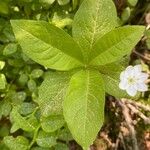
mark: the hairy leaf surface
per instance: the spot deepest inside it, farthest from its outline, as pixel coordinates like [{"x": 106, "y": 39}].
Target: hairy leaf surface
[
  {"x": 46, "y": 140},
  {"x": 84, "y": 106},
  {"x": 47, "y": 44},
  {"x": 115, "y": 44},
  {"x": 111, "y": 76},
  {"x": 52, "y": 92},
  {"x": 28, "y": 125},
  {"x": 93, "y": 19},
  {"x": 52, "y": 123},
  {"x": 19, "y": 143}
]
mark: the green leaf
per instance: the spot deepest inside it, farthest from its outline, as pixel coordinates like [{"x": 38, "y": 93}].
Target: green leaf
[
  {"x": 32, "y": 85},
  {"x": 133, "y": 2},
  {"x": 126, "y": 14},
  {"x": 23, "y": 79},
  {"x": 19, "y": 143},
  {"x": 84, "y": 106},
  {"x": 64, "y": 134},
  {"x": 41, "y": 148},
  {"x": 2, "y": 81},
  {"x": 61, "y": 146},
  {"x": 26, "y": 1},
  {"x": 147, "y": 34},
  {"x": 75, "y": 4},
  {"x": 27, "y": 124},
  {"x": 4, "y": 9},
  {"x": 2, "y": 23},
  {"x": 47, "y": 44},
  {"x": 5, "y": 108},
  {"x": 49, "y": 2},
  {"x": 10, "y": 49},
  {"x": 36, "y": 73},
  {"x": 18, "y": 63},
  {"x": 3, "y": 146},
  {"x": 115, "y": 44},
  {"x": 52, "y": 123},
  {"x": 46, "y": 140},
  {"x": 9, "y": 33},
  {"x": 111, "y": 76},
  {"x": 27, "y": 108},
  {"x": 4, "y": 130},
  {"x": 148, "y": 43},
  {"x": 63, "y": 2},
  {"x": 17, "y": 98},
  {"x": 52, "y": 92},
  {"x": 93, "y": 19},
  {"x": 2, "y": 64}
]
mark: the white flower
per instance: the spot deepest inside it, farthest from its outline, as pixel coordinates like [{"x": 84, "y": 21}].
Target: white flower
[{"x": 133, "y": 80}]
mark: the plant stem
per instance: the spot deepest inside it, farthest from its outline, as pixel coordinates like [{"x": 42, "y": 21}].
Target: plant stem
[{"x": 34, "y": 137}]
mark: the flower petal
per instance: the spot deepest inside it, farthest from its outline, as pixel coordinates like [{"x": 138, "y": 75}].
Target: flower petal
[
  {"x": 123, "y": 84},
  {"x": 143, "y": 77},
  {"x": 122, "y": 75},
  {"x": 135, "y": 85},
  {"x": 129, "y": 72},
  {"x": 142, "y": 87},
  {"x": 131, "y": 91},
  {"x": 137, "y": 69}
]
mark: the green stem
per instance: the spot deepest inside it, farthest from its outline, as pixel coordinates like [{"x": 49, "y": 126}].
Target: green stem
[{"x": 34, "y": 137}]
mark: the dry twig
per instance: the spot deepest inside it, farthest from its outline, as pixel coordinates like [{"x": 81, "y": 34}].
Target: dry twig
[
  {"x": 137, "y": 104},
  {"x": 139, "y": 113},
  {"x": 141, "y": 55},
  {"x": 129, "y": 123}
]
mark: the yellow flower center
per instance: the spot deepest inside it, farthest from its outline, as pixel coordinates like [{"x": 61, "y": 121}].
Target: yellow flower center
[{"x": 131, "y": 81}]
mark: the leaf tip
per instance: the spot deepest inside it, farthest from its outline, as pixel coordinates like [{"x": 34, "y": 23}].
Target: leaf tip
[{"x": 13, "y": 22}]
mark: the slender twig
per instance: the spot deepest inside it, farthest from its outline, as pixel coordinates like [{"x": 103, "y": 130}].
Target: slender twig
[
  {"x": 118, "y": 140},
  {"x": 139, "y": 113},
  {"x": 128, "y": 120},
  {"x": 34, "y": 137},
  {"x": 122, "y": 141},
  {"x": 140, "y": 55},
  {"x": 105, "y": 137},
  {"x": 137, "y": 104}
]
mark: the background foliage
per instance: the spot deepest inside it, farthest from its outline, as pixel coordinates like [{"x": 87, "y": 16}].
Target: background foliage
[{"x": 20, "y": 79}]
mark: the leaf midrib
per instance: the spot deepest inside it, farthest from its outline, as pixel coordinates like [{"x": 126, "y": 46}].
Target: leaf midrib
[
  {"x": 95, "y": 24},
  {"x": 50, "y": 46},
  {"x": 87, "y": 94},
  {"x": 28, "y": 124},
  {"x": 48, "y": 106},
  {"x": 109, "y": 48}
]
